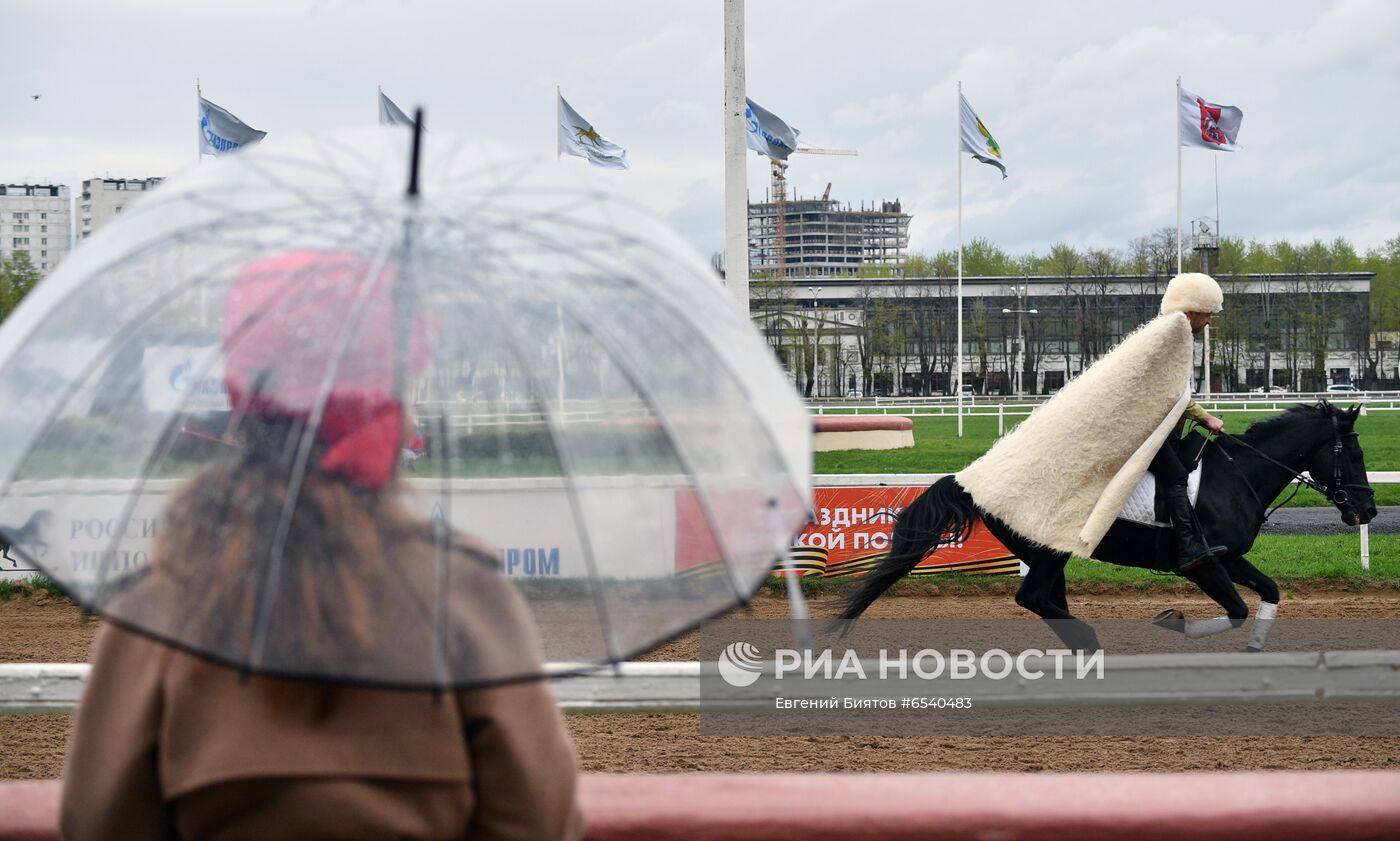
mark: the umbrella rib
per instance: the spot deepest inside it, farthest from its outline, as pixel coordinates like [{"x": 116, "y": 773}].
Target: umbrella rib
[
  {"x": 627, "y": 366},
  {"x": 662, "y": 301},
  {"x": 120, "y": 337},
  {"x": 441, "y": 536},
  {"x": 268, "y": 593},
  {"x": 566, "y": 456},
  {"x": 745, "y": 594},
  {"x": 159, "y": 454}
]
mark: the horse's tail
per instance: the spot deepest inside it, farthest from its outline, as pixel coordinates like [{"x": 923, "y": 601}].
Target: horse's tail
[{"x": 945, "y": 509}]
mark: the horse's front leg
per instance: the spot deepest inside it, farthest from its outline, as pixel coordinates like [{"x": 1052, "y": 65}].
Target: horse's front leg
[
  {"x": 1042, "y": 592},
  {"x": 1245, "y": 574},
  {"x": 1214, "y": 582}
]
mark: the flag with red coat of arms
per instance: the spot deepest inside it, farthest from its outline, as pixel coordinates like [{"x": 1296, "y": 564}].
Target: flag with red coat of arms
[{"x": 1208, "y": 125}]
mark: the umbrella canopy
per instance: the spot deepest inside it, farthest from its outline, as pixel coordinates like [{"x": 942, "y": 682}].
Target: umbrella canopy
[{"x": 283, "y": 415}]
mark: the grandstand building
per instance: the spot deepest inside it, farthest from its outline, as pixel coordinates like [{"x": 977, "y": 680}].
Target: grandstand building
[{"x": 1030, "y": 335}]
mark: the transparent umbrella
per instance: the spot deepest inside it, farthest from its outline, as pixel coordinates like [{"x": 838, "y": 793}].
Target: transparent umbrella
[{"x": 497, "y": 363}]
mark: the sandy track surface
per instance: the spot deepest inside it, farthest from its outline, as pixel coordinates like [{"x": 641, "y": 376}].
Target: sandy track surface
[{"x": 44, "y": 629}]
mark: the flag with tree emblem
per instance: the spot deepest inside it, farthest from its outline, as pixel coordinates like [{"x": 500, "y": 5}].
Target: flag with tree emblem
[
  {"x": 578, "y": 137},
  {"x": 977, "y": 140},
  {"x": 1206, "y": 125}
]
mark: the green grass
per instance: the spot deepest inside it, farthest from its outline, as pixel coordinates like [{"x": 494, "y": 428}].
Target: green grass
[
  {"x": 938, "y": 449},
  {"x": 9, "y": 588},
  {"x": 1285, "y": 558},
  {"x": 1292, "y": 561}
]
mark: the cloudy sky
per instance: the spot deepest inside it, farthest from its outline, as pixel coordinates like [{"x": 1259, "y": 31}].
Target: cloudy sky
[{"x": 1080, "y": 96}]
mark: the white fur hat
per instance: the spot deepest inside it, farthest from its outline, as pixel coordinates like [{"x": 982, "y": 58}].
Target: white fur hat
[{"x": 1193, "y": 292}]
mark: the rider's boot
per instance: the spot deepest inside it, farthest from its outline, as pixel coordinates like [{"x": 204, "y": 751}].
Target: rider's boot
[{"x": 1191, "y": 547}]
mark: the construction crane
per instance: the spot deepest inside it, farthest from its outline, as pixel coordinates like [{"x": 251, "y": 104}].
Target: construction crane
[{"x": 779, "y": 191}]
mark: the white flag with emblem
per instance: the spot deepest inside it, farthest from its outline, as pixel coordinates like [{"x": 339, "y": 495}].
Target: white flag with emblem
[
  {"x": 1206, "y": 125},
  {"x": 578, "y": 137},
  {"x": 977, "y": 140}
]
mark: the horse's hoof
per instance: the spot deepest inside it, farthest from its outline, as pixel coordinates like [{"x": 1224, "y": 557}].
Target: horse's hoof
[{"x": 1171, "y": 619}]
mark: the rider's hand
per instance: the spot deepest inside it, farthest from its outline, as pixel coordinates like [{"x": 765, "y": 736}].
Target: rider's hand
[{"x": 1214, "y": 424}]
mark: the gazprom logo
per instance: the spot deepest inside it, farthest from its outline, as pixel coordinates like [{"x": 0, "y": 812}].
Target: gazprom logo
[
  {"x": 752, "y": 120},
  {"x": 216, "y": 142},
  {"x": 739, "y": 664}
]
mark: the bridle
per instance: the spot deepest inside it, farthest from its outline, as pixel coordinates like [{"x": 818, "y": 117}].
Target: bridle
[{"x": 1336, "y": 493}]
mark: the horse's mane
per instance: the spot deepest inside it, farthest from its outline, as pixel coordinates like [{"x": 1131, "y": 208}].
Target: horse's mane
[{"x": 1269, "y": 427}]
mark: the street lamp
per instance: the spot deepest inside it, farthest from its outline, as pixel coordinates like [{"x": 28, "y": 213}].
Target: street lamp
[
  {"x": 816, "y": 335},
  {"x": 1020, "y": 293}
]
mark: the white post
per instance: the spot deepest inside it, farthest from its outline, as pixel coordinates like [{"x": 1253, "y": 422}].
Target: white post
[
  {"x": 1001, "y": 419},
  {"x": 1176, "y": 111},
  {"x": 1205, "y": 361},
  {"x": 1365, "y": 547},
  {"x": 736, "y": 202},
  {"x": 558, "y": 121},
  {"x": 559, "y": 353},
  {"x": 957, "y": 150},
  {"x": 1216, "y": 161}
]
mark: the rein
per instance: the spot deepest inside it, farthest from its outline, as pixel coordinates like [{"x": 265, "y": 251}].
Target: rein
[{"x": 1336, "y": 493}]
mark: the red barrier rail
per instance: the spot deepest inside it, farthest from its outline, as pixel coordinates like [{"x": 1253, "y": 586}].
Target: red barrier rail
[{"x": 1337, "y": 805}]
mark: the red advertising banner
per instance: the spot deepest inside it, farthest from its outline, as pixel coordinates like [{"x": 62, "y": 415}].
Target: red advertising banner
[{"x": 851, "y": 534}]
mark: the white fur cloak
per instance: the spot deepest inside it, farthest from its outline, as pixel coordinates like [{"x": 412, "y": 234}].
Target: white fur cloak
[{"x": 1062, "y": 476}]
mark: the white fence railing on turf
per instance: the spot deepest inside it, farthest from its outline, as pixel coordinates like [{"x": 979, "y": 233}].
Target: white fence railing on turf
[
  {"x": 1012, "y": 408},
  {"x": 675, "y": 687}
]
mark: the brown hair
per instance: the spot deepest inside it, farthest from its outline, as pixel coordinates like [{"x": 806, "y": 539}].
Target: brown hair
[{"x": 217, "y": 547}]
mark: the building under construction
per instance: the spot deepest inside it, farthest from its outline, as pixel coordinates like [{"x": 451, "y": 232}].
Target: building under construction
[{"x": 818, "y": 237}]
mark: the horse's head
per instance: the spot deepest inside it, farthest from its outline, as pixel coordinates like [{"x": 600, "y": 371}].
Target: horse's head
[{"x": 1339, "y": 465}]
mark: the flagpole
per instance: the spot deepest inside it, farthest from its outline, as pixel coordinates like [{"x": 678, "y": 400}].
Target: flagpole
[
  {"x": 736, "y": 200},
  {"x": 1178, "y": 174},
  {"x": 198, "y": 114},
  {"x": 558, "y": 121},
  {"x": 1216, "y": 162},
  {"x": 957, "y": 150}
]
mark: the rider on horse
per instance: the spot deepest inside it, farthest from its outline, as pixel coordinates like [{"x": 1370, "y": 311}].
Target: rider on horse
[
  {"x": 1199, "y": 297},
  {"x": 1137, "y": 395}
]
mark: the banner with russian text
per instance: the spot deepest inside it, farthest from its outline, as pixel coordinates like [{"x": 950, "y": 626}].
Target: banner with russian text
[{"x": 850, "y": 534}]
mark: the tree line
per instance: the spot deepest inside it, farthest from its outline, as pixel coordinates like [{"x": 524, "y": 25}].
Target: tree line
[
  {"x": 910, "y": 329},
  {"x": 17, "y": 277}
]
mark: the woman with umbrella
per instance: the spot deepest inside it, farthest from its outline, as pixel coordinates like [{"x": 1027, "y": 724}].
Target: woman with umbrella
[
  {"x": 297, "y": 554},
  {"x": 296, "y": 654}
]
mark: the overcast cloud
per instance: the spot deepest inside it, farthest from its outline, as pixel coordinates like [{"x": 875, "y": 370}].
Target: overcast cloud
[{"x": 1079, "y": 95}]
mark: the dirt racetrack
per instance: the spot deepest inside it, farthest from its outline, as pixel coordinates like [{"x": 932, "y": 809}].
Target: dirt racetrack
[{"x": 44, "y": 629}]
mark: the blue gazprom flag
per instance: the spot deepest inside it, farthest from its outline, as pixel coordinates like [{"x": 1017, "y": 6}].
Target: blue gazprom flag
[
  {"x": 769, "y": 135},
  {"x": 220, "y": 132}
]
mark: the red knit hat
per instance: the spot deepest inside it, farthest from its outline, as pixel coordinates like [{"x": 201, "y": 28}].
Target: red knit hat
[{"x": 284, "y": 322}]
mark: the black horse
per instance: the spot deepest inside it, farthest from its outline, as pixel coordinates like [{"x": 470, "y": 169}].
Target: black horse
[
  {"x": 1241, "y": 477},
  {"x": 29, "y": 534}
]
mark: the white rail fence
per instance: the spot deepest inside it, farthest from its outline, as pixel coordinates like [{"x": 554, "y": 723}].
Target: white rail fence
[
  {"x": 675, "y": 687},
  {"x": 1004, "y": 409}
]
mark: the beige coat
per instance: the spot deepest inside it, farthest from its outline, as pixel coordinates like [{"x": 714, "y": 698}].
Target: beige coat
[
  {"x": 169, "y": 745},
  {"x": 1062, "y": 476}
]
